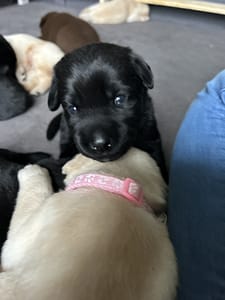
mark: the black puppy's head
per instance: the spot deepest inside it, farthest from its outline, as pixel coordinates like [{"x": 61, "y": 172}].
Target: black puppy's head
[{"x": 102, "y": 88}]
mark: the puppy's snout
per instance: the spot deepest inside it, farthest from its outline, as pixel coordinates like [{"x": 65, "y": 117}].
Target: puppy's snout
[{"x": 100, "y": 143}]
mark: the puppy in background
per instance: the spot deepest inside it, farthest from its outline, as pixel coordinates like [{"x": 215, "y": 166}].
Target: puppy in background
[
  {"x": 67, "y": 31},
  {"x": 116, "y": 11},
  {"x": 35, "y": 61},
  {"x": 90, "y": 242},
  {"x": 14, "y": 100}
]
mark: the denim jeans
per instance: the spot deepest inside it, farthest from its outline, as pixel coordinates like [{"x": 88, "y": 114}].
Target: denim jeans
[{"x": 196, "y": 204}]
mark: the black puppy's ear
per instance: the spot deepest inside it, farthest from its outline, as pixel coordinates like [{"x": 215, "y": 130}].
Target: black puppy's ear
[
  {"x": 143, "y": 70},
  {"x": 53, "y": 99}
]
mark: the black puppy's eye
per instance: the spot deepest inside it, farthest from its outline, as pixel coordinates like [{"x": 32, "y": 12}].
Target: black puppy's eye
[
  {"x": 119, "y": 100},
  {"x": 72, "y": 109}
]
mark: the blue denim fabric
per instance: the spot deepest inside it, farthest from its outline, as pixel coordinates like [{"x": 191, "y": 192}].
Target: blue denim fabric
[{"x": 196, "y": 204}]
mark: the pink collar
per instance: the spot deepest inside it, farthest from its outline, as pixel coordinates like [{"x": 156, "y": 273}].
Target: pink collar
[{"x": 127, "y": 188}]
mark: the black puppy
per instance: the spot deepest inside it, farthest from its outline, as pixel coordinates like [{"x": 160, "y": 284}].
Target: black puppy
[
  {"x": 10, "y": 164},
  {"x": 103, "y": 89},
  {"x": 14, "y": 100}
]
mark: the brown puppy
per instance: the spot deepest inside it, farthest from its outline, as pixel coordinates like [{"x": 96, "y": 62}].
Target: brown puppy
[
  {"x": 88, "y": 243},
  {"x": 67, "y": 31}
]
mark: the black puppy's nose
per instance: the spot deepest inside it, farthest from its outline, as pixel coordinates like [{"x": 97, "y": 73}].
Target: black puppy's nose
[{"x": 100, "y": 143}]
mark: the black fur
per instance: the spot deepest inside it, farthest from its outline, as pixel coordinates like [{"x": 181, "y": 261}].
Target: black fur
[
  {"x": 10, "y": 164},
  {"x": 14, "y": 100},
  {"x": 103, "y": 89},
  {"x": 53, "y": 126}
]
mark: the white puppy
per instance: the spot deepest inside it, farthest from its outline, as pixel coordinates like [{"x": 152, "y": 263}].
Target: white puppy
[
  {"x": 116, "y": 11},
  {"x": 35, "y": 61},
  {"x": 89, "y": 243}
]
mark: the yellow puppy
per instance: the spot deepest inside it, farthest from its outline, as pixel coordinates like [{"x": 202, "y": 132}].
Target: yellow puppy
[
  {"x": 35, "y": 61},
  {"x": 116, "y": 11},
  {"x": 89, "y": 243}
]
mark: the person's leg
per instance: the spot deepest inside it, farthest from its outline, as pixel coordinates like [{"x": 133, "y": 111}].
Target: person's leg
[{"x": 196, "y": 205}]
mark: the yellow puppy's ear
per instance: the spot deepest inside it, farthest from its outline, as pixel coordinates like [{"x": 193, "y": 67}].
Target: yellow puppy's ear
[
  {"x": 29, "y": 57},
  {"x": 74, "y": 164}
]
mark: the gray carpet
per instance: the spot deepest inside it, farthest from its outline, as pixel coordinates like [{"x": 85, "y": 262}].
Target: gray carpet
[{"x": 184, "y": 49}]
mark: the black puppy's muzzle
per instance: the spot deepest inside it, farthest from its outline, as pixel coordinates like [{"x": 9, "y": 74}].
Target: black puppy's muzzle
[
  {"x": 100, "y": 143},
  {"x": 104, "y": 140}
]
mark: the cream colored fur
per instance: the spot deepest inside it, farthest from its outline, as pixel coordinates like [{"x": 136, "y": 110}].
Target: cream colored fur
[
  {"x": 88, "y": 244},
  {"x": 35, "y": 61},
  {"x": 116, "y": 11}
]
